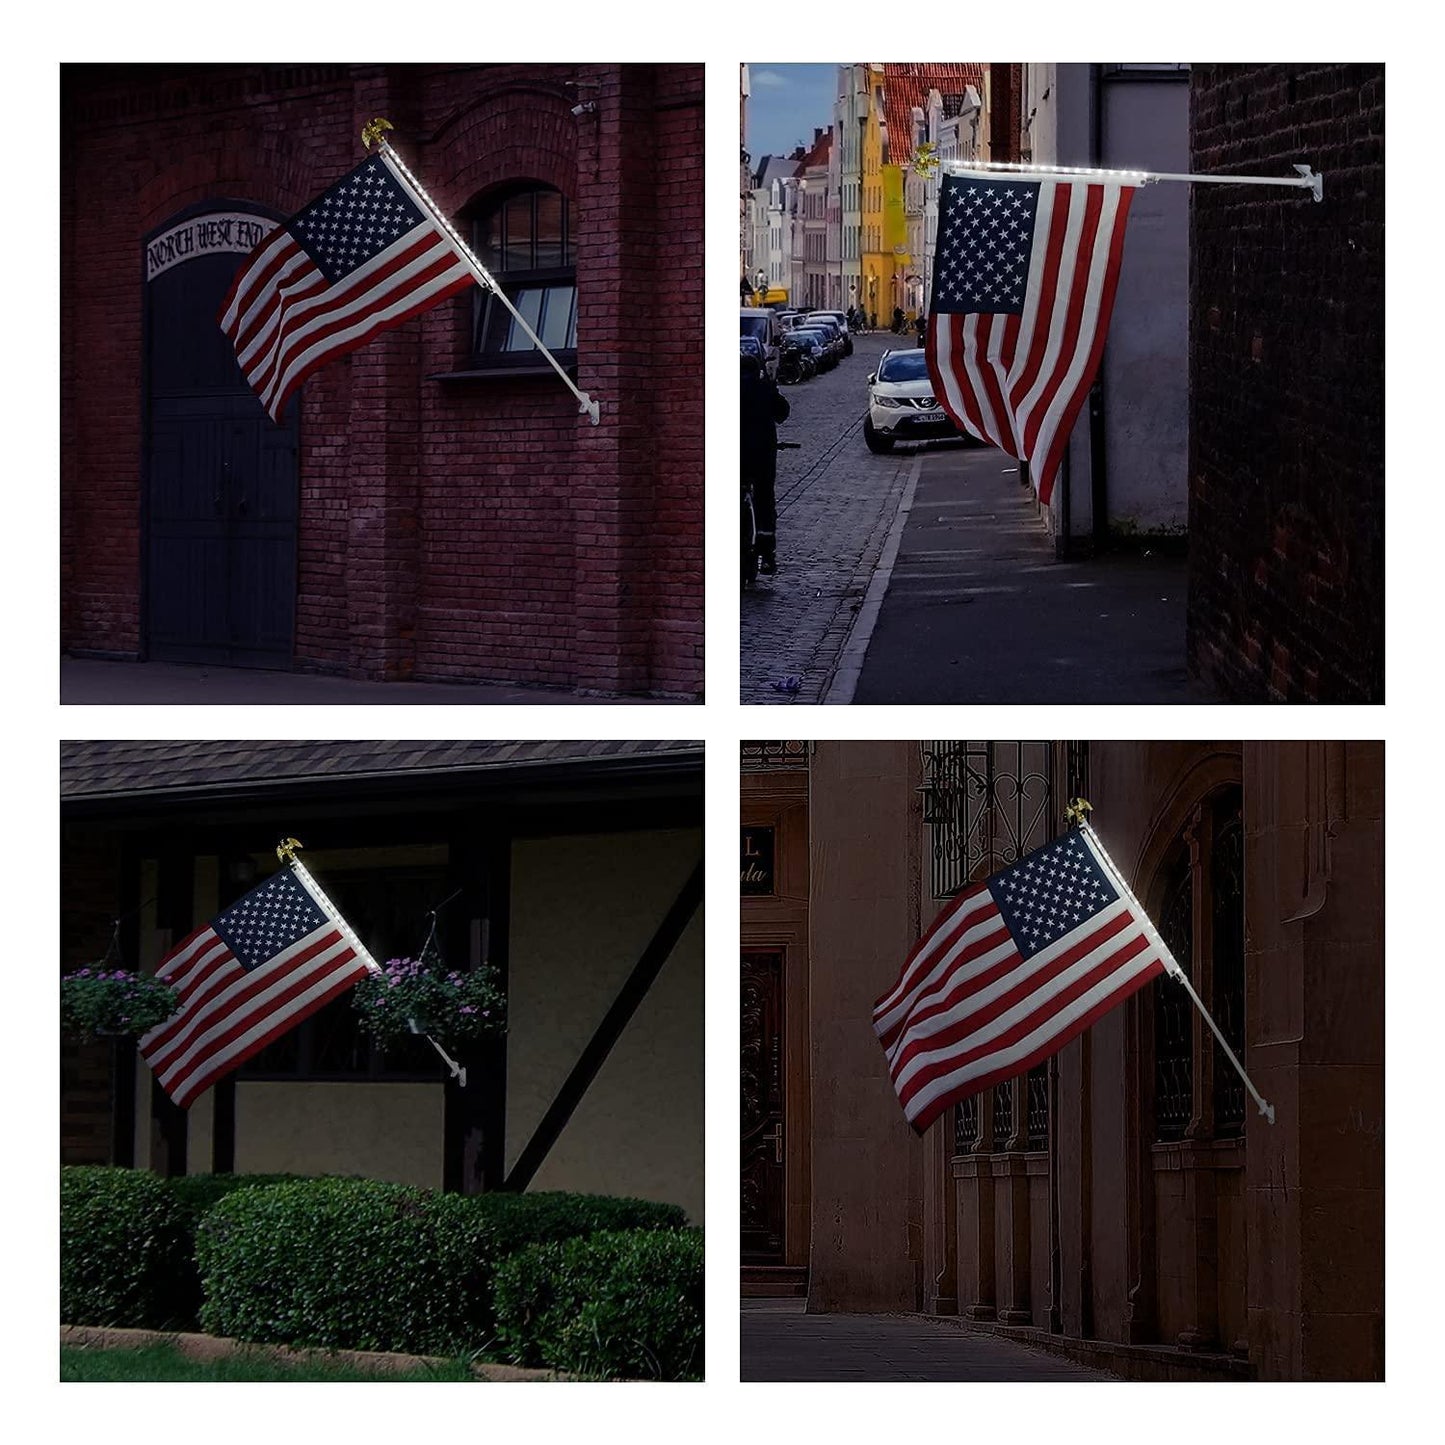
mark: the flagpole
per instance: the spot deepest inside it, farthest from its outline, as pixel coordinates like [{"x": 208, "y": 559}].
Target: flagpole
[
  {"x": 286, "y": 852},
  {"x": 1076, "y": 812},
  {"x": 418, "y": 192},
  {"x": 1307, "y": 179}
]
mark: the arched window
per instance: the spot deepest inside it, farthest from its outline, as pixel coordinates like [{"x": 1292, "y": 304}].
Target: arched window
[
  {"x": 1202, "y": 882},
  {"x": 524, "y": 238}
]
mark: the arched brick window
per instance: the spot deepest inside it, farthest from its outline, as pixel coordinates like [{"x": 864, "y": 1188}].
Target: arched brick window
[{"x": 524, "y": 237}]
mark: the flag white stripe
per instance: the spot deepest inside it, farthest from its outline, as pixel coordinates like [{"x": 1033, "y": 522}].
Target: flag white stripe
[
  {"x": 369, "y": 314},
  {"x": 923, "y": 962},
  {"x": 260, "y": 1005},
  {"x": 1048, "y": 1030},
  {"x": 948, "y": 371},
  {"x": 1058, "y": 317},
  {"x": 277, "y": 242},
  {"x": 295, "y": 285},
  {"x": 961, "y": 979},
  {"x": 1088, "y": 323},
  {"x": 200, "y": 968},
  {"x": 1027, "y": 1005},
  {"x": 1029, "y": 321},
  {"x": 193, "y": 1082},
  {"x": 169, "y": 971},
  {"x": 197, "y": 1015}
]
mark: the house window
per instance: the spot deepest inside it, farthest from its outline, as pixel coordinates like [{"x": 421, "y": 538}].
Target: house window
[{"x": 524, "y": 238}]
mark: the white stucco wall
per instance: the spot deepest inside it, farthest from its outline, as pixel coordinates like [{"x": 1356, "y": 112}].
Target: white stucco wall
[{"x": 583, "y": 910}]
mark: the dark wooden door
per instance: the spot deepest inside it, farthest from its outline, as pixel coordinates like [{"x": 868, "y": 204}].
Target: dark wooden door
[
  {"x": 763, "y": 1108},
  {"x": 222, "y": 488}
]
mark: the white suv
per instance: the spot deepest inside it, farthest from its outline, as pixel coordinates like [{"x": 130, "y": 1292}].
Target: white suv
[{"x": 901, "y": 404}]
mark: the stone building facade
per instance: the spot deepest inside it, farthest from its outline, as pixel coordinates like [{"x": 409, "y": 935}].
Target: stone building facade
[
  {"x": 1123, "y": 1203},
  {"x": 433, "y": 507}
]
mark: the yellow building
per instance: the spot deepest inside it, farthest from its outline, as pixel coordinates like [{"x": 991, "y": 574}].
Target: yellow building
[{"x": 877, "y": 258}]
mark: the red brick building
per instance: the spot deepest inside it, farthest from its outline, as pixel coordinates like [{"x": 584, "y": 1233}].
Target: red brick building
[
  {"x": 432, "y": 506},
  {"x": 1287, "y": 386}
]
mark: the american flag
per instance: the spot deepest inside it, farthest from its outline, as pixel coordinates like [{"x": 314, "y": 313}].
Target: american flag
[
  {"x": 269, "y": 961},
  {"x": 361, "y": 258},
  {"x": 1010, "y": 971},
  {"x": 1024, "y": 277}
]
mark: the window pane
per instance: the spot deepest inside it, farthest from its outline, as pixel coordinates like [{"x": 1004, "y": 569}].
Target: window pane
[
  {"x": 519, "y": 234},
  {"x": 489, "y": 240},
  {"x": 549, "y": 229},
  {"x": 558, "y": 322},
  {"x": 529, "y": 303}
]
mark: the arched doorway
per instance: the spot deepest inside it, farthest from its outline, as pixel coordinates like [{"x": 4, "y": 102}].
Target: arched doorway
[{"x": 220, "y": 510}]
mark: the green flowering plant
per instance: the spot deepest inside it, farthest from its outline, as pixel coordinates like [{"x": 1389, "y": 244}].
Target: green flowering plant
[
  {"x": 112, "y": 1003},
  {"x": 420, "y": 996}
]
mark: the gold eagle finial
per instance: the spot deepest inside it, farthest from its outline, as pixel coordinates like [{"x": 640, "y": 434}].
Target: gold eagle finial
[{"x": 374, "y": 131}]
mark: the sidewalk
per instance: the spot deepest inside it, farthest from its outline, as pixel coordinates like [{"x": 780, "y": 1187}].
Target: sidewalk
[
  {"x": 780, "y": 1342},
  {"x": 83, "y": 681},
  {"x": 978, "y": 610}
]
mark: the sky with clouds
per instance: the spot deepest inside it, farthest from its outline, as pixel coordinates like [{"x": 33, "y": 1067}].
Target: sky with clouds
[{"x": 787, "y": 104}]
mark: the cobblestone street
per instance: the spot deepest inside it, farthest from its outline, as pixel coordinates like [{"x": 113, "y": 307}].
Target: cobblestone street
[{"x": 836, "y": 503}]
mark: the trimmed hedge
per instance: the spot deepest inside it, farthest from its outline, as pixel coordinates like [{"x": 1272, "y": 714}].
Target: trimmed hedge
[
  {"x": 127, "y": 1244},
  {"x": 124, "y": 1245},
  {"x": 612, "y": 1306},
  {"x": 359, "y": 1264}
]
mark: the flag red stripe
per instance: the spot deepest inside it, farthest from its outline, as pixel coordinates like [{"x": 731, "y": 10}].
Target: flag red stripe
[
  {"x": 1046, "y": 1050},
  {"x": 246, "y": 1009},
  {"x": 257, "y": 271},
  {"x": 993, "y": 327},
  {"x": 218, "y": 1003},
  {"x": 965, "y": 909},
  {"x": 201, "y": 1079},
  {"x": 1048, "y": 296},
  {"x": 277, "y": 405},
  {"x": 1096, "y": 349},
  {"x": 299, "y": 311},
  {"x": 1036, "y": 983},
  {"x": 924, "y": 1006},
  {"x": 303, "y": 284}
]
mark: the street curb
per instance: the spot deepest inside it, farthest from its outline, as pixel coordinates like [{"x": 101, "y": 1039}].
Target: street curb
[
  {"x": 849, "y": 667},
  {"x": 213, "y": 1347}
]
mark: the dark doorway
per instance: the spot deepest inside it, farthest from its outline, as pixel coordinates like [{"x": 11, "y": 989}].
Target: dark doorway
[
  {"x": 763, "y": 1108},
  {"x": 221, "y": 493}
]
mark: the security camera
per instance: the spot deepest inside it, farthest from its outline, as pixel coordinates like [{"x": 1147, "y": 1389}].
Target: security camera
[{"x": 586, "y": 107}]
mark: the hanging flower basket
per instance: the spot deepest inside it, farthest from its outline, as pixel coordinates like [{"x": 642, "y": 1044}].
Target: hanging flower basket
[
  {"x": 410, "y": 996},
  {"x": 100, "y": 1003}
]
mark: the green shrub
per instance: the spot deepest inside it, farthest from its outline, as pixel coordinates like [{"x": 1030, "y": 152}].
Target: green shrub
[
  {"x": 127, "y": 1244},
  {"x": 613, "y": 1306},
  {"x": 357, "y": 1264},
  {"x": 124, "y": 1249}
]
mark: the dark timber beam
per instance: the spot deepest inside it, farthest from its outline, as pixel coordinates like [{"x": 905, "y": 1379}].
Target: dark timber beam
[{"x": 616, "y": 1019}]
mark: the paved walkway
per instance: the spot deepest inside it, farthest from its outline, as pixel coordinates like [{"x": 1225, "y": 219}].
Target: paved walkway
[
  {"x": 83, "y": 680},
  {"x": 780, "y": 1342},
  {"x": 978, "y": 610},
  {"x": 836, "y": 503}
]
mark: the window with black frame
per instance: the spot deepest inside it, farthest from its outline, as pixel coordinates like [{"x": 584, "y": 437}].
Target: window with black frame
[
  {"x": 524, "y": 238},
  {"x": 389, "y": 911}
]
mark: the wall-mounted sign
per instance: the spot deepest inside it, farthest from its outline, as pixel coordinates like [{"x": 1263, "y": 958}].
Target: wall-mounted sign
[
  {"x": 203, "y": 236},
  {"x": 757, "y": 861}
]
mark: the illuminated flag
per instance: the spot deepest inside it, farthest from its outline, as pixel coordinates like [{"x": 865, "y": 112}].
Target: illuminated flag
[
  {"x": 361, "y": 258},
  {"x": 269, "y": 961},
  {"x": 1010, "y": 971},
  {"x": 1024, "y": 277}
]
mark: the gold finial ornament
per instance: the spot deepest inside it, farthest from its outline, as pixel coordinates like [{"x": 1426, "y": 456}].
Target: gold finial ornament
[
  {"x": 374, "y": 131},
  {"x": 1077, "y": 812},
  {"x": 286, "y": 849}
]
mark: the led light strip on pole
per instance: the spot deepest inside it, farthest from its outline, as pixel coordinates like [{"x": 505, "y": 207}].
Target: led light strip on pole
[
  {"x": 375, "y": 131},
  {"x": 286, "y": 852},
  {"x": 1307, "y": 179},
  {"x": 1171, "y": 965}
]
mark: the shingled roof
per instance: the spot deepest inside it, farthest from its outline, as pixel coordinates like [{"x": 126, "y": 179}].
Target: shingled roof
[
  {"x": 905, "y": 86},
  {"x": 96, "y": 770}
]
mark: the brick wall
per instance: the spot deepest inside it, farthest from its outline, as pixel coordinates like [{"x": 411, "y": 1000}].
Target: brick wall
[
  {"x": 1287, "y": 383},
  {"x": 448, "y": 530}
]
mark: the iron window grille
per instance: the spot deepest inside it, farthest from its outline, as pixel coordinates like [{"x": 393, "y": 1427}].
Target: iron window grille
[{"x": 762, "y": 757}]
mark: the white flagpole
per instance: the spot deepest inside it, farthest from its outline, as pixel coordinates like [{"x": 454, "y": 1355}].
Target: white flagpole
[
  {"x": 418, "y": 193},
  {"x": 1307, "y": 179},
  {"x": 1171, "y": 964},
  {"x": 286, "y": 851}
]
